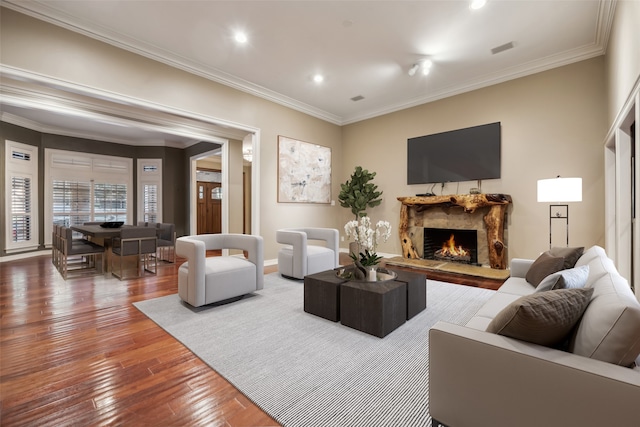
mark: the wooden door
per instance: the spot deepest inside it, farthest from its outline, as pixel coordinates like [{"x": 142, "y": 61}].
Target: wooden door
[{"x": 209, "y": 196}]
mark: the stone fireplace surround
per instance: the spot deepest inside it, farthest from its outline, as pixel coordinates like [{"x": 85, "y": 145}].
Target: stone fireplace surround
[{"x": 485, "y": 213}]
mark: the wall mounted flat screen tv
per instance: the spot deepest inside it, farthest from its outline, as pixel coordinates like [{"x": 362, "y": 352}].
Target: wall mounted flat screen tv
[{"x": 461, "y": 155}]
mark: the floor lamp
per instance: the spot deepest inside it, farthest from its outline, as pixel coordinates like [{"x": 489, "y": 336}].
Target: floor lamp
[{"x": 559, "y": 190}]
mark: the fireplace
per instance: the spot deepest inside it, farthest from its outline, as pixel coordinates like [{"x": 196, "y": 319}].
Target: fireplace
[
  {"x": 484, "y": 213},
  {"x": 451, "y": 245}
]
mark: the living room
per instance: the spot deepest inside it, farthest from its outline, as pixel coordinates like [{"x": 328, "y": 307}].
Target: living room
[
  {"x": 546, "y": 118},
  {"x": 555, "y": 122}
]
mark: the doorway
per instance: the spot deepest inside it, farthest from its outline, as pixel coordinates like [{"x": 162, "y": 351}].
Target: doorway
[
  {"x": 622, "y": 180},
  {"x": 209, "y": 207}
]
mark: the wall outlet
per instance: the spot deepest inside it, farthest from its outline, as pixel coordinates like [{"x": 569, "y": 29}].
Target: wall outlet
[{"x": 342, "y": 238}]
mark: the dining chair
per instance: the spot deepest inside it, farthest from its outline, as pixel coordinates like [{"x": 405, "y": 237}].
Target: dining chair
[
  {"x": 77, "y": 255},
  {"x": 166, "y": 242},
  {"x": 140, "y": 242},
  {"x": 55, "y": 246}
]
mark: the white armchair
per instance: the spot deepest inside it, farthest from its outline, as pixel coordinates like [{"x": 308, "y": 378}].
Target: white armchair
[
  {"x": 205, "y": 280},
  {"x": 299, "y": 258}
]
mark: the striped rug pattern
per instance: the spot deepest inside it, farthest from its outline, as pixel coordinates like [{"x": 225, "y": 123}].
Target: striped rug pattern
[{"x": 307, "y": 371}]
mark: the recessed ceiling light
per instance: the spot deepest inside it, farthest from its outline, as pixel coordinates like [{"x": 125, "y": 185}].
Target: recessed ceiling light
[
  {"x": 318, "y": 78},
  {"x": 477, "y": 4},
  {"x": 241, "y": 37}
]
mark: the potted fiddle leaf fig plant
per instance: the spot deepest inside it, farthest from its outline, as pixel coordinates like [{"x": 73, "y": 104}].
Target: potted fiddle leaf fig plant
[{"x": 358, "y": 193}]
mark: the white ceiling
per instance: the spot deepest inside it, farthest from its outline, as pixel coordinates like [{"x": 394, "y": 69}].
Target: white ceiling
[{"x": 363, "y": 48}]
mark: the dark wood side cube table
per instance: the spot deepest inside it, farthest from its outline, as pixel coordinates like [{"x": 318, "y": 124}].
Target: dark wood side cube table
[
  {"x": 416, "y": 291},
  {"x": 322, "y": 294},
  {"x": 371, "y": 307},
  {"x": 376, "y": 308}
]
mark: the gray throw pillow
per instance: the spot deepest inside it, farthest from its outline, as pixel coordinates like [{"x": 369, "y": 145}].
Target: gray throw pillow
[
  {"x": 572, "y": 278},
  {"x": 545, "y": 265},
  {"x": 544, "y": 318},
  {"x": 570, "y": 255}
]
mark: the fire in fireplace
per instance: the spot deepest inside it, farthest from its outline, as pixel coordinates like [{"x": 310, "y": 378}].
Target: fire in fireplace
[{"x": 444, "y": 244}]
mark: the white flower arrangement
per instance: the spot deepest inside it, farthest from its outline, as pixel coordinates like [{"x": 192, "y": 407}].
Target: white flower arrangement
[{"x": 367, "y": 238}]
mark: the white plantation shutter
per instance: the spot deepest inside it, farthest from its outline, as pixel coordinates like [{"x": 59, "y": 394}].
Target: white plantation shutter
[
  {"x": 86, "y": 187},
  {"x": 150, "y": 190},
  {"x": 71, "y": 202},
  {"x": 110, "y": 202},
  {"x": 150, "y": 201},
  {"x": 21, "y": 177},
  {"x": 20, "y": 209}
]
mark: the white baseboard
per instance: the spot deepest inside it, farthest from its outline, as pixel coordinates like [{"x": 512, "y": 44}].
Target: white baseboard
[{"x": 24, "y": 255}]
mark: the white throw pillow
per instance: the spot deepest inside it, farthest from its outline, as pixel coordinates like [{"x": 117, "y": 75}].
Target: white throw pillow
[{"x": 572, "y": 278}]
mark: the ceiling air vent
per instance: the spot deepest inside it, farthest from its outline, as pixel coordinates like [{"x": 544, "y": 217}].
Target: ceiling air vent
[
  {"x": 502, "y": 48},
  {"x": 357, "y": 98}
]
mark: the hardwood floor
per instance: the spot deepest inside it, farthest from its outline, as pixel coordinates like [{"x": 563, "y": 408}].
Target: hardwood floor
[{"x": 78, "y": 353}]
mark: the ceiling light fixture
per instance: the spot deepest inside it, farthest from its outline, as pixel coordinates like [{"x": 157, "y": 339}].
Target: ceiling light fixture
[
  {"x": 241, "y": 37},
  {"x": 247, "y": 154},
  {"x": 477, "y": 4},
  {"x": 424, "y": 65},
  {"x": 318, "y": 78}
]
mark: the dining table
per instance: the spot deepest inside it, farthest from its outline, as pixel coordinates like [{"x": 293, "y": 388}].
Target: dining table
[{"x": 102, "y": 236}]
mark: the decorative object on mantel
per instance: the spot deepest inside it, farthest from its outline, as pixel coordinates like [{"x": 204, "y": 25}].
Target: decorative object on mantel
[
  {"x": 559, "y": 190},
  {"x": 494, "y": 220},
  {"x": 366, "y": 259}
]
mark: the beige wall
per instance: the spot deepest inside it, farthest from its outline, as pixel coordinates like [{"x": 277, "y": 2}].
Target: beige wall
[
  {"x": 45, "y": 49},
  {"x": 623, "y": 56},
  {"x": 553, "y": 123}
]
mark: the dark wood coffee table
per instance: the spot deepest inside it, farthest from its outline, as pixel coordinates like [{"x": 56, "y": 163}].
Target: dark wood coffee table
[{"x": 376, "y": 308}]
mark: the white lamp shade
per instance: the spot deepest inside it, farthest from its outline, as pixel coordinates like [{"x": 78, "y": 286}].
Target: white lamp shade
[{"x": 560, "y": 190}]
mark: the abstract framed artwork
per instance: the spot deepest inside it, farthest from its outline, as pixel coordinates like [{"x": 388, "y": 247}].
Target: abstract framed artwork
[{"x": 304, "y": 172}]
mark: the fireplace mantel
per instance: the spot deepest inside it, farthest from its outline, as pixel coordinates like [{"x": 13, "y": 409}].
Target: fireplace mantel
[{"x": 494, "y": 220}]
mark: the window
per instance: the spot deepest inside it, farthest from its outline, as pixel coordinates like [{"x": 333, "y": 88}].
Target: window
[
  {"x": 86, "y": 187},
  {"x": 71, "y": 202},
  {"x": 150, "y": 202},
  {"x": 20, "y": 208},
  {"x": 150, "y": 190},
  {"x": 110, "y": 202},
  {"x": 21, "y": 177}
]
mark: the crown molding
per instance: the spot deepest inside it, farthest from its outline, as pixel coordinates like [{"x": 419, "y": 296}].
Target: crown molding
[
  {"x": 481, "y": 82},
  {"x": 45, "y": 13},
  {"x": 41, "y": 11},
  {"x": 606, "y": 12},
  {"x": 29, "y": 90}
]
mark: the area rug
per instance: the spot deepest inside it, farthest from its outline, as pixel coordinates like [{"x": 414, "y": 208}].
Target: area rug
[{"x": 307, "y": 371}]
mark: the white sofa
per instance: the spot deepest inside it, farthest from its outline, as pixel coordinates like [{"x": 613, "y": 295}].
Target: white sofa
[
  {"x": 204, "y": 280},
  {"x": 478, "y": 378}
]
